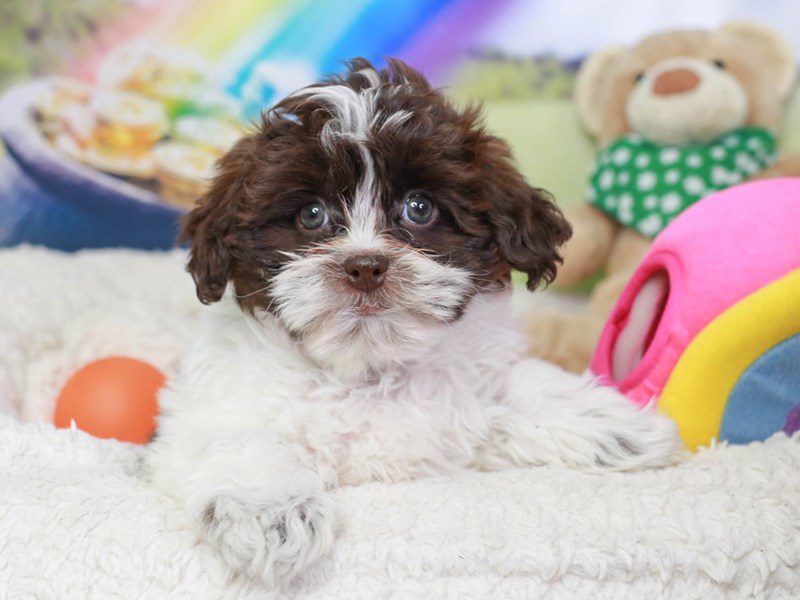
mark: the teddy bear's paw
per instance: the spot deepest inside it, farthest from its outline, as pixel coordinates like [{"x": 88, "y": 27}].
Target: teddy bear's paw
[{"x": 565, "y": 340}]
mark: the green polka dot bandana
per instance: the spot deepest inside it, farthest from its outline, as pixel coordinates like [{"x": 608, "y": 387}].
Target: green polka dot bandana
[{"x": 646, "y": 186}]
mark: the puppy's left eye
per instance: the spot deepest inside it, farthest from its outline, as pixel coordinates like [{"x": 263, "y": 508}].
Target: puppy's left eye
[
  {"x": 720, "y": 64},
  {"x": 312, "y": 216},
  {"x": 419, "y": 209}
]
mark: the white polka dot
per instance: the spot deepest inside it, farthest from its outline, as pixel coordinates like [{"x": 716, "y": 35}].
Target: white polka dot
[
  {"x": 669, "y": 156},
  {"x": 651, "y": 225},
  {"x": 694, "y": 161},
  {"x": 694, "y": 185},
  {"x": 755, "y": 144},
  {"x": 672, "y": 176},
  {"x": 625, "y": 216},
  {"x": 625, "y": 202},
  {"x": 746, "y": 163},
  {"x": 722, "y": 177},
  {"x": 719, "y": 176},
  {"x": 731, "y": 140},
  {"x": 621, "y": 156},
  {"x": 671, "y": 203},
  {"x": 717, "y": 152},
  {"x": 642, "y": 161},
  {"x": 606, "y": 179},
  {"x": 650, "y": 202},
  {"x": 646, "y": 181},
  {"x": 610, "y": 201},
  {"x": 591, "y": 194},
  {"x": 624, "y": 178}
]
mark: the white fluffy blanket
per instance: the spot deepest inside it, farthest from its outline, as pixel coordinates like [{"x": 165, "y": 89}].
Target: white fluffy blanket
[{"x": 77, "y": 519}]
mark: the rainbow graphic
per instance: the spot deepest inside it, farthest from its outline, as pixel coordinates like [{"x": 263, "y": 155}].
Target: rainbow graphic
[{"x": 260, "y": 49}]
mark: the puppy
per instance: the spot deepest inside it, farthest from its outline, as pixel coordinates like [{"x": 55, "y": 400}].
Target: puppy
[{"x": 367, "y": 230}]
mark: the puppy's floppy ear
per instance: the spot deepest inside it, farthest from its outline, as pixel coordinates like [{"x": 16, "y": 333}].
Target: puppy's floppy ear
[
  {"x": 528, "y": 226},
  {"x": 208, "y": 226}
]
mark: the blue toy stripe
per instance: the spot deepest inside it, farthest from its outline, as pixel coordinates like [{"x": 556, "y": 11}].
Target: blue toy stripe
[{"x": 764, "y": 395}]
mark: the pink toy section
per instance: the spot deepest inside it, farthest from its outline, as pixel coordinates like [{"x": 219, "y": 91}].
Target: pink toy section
[{"x": 719, "y": 251}]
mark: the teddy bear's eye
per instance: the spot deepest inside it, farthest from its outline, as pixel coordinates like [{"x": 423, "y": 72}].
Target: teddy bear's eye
[
  {"x": 639, "y": 76},
  {"x": 720, "y": 64}
]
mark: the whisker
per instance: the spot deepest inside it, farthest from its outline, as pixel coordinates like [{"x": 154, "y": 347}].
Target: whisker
[{"x": 258, "y": 291}]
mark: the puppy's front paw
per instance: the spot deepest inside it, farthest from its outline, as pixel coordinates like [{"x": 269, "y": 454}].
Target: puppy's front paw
[
  {"x": 627, "y": 438},
  {"x": 270, "y": 541}
]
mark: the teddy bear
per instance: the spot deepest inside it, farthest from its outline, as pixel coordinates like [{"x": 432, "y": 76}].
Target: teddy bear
[{"x": 678, "y": 116}]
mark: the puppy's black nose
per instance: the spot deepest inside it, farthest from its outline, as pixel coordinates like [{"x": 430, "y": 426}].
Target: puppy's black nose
[{"x": 365, "y": 272}]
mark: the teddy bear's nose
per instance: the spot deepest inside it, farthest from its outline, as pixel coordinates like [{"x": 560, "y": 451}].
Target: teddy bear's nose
[{"x": 675, "y": 81}]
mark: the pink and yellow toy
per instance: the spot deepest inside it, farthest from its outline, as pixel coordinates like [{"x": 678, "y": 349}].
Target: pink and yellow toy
[{"x": 709, "y": 324}]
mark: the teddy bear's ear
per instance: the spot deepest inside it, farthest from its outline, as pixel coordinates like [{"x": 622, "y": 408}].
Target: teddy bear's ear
[
  {"x": 589, "y": 86},
  {"x": 776, "y": 51}
]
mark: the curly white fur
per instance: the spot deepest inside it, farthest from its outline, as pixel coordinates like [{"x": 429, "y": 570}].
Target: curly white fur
[
  {"x": 77, "y": 515},
  {"x": 253, "y": 431}
]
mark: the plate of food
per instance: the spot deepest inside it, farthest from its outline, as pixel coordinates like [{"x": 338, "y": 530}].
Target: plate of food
[{"x": 115, "y": 162}]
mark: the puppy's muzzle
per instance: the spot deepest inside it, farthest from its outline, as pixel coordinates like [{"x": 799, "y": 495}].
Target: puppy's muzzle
[{"x": 366, "y": 272}]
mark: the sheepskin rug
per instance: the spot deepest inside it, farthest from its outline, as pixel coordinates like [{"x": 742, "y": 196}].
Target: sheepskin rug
[{"x": 78, "y": 520}]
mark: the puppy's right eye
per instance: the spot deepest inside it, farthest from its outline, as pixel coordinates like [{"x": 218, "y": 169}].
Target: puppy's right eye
[
  {"x": 419, "y": 210},
  {"x": 639, "y": 76},
  {"x": 312, "y": 216}
]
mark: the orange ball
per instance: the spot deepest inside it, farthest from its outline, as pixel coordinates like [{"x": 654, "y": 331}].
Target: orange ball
[{"x": 114, "y": 397}]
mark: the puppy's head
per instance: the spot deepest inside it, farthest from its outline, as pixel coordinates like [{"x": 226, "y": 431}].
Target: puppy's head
[{"x": 365, "y": 213}]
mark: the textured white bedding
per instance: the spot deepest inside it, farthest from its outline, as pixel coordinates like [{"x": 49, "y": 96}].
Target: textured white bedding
[{"x": 77, "y": 519}]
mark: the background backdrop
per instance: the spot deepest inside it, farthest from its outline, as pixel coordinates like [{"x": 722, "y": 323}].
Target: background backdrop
[{"x": 517, "y": 56}]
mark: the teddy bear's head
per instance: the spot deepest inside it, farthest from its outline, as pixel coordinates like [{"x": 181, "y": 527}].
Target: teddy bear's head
[{"x": 687, "y": 86}]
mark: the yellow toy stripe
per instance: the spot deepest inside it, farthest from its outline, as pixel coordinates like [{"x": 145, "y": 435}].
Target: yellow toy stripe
[{"x": 701, "y": 382}]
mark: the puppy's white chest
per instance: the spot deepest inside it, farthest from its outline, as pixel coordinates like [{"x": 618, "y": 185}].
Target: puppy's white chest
[
  {"x": 395, "y": 428},
  {"x": 420, "y": 418}
]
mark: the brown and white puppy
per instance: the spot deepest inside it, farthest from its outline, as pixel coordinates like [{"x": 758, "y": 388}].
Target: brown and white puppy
[
  {"x": 367, "y": 230},
  {"x": 380, "y": 170}
]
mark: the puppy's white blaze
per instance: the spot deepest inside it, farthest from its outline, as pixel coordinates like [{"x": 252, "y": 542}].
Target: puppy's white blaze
[
  {"x": 365, "y": 218},
  {"x": 353, "y": 115}
]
